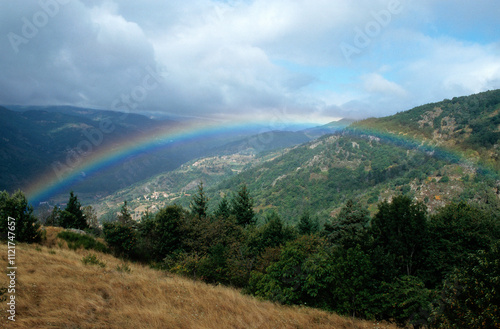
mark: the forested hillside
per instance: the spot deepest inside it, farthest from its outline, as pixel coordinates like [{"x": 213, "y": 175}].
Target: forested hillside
[
  {"x": 37, "y": 140},
  {"x": 468, "y": 124},
  {"x": 435, "y": 153},
  {"x": 320, "y": 176}
]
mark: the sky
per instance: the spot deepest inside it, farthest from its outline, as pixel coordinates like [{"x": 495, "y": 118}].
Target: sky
[{"x": 308, "y": 61}]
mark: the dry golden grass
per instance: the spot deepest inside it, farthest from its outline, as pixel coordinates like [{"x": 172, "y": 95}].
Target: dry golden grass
[{"x": 55, "y": 289}]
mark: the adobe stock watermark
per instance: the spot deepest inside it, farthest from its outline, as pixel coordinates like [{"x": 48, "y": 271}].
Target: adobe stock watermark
[
  {"x": 130, "y": 101},
  {"x": 11, "y": 268},
  {"x": 363, "y": 36},
  {"x": 32, "y": 25},
  {"x": 94, "y": 137}
]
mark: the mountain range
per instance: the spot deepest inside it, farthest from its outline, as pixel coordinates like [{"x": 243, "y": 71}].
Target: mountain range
[
  {"x": 36, "y": 141},
  {"x": 435, "y": 152}
]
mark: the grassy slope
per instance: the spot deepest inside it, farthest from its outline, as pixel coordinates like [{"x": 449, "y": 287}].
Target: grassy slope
[{"x": 55, "y": 290}]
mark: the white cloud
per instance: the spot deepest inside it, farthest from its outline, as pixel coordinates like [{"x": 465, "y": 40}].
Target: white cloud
[
  {"x": 375, "y": 83},
  {"x": 451, "y": 68}
]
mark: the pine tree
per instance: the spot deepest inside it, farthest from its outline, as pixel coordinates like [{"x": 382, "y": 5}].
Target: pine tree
[
  {"x": 242, "y": 207},
  {"x": 223, "y": 210},
  {"x": 54, "y": 217},
  {"x": 307, "y": 225},
  {"x": 272, "y": 234},
  {"x": 72, "y": 216},
  {"x": 199, "y": 202},
  {"x": 349, "y": 227},
  {"x": 125, "y": 217},
  {"x": 16, "y": 213}
]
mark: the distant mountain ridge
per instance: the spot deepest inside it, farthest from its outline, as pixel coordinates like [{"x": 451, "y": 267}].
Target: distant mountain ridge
[
  {"x": 34, "y": 139},
  {"x": 329, "y": 128}
]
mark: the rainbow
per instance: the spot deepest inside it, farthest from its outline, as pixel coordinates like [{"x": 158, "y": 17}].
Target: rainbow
[
  {"x": 54, "y": 183},
  {"x": 409, "y": 143},
  {"x": 57, "y": 181},
  {"x": 449, "y": 154}
]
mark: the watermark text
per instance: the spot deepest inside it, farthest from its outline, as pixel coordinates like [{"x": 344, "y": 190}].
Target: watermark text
[
  {"x": 32, "y": 25},
  {"x": 11, "y": 268}
]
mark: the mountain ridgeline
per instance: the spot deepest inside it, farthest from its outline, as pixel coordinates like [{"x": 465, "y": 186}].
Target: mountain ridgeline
[
  {"x": 435, "y": 153},
  {"x": 468, "y": 124}
]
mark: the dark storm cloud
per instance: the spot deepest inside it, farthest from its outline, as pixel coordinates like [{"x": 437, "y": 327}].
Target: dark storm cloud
[{"x": 315, "y": 60}]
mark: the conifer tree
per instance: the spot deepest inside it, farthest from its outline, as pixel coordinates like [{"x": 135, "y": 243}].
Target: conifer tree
[
  {"x": 307, "y": 225},
  {"x": 199, "y": 202},
  {"x": 54, "y": 217},
  {"x": 125, "y": 217},
  {"x": 223, "y": 210},
  {"x": 17, "y": 213},
  {"x": 349, "y": 227},
  {"x": 72, "y": 216},
  {"x": 242, "y": 207}
]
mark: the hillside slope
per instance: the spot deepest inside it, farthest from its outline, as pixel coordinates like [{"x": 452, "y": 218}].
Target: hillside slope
[
  {"x": 436, "y": 153},
  {"x": 160, "y": 190},
  {"x": 320, "y": 176},
  {"x": 33, "y": 142},
  {"x": 468, "y": 124},
  {"x": 55, "y": 290}
]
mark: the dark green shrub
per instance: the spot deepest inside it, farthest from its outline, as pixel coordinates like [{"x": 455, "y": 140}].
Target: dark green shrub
[
  {"x": 76, "y": 241},
  {"x": 444, "y": 179},
  {"x": 120, "y": 238}
]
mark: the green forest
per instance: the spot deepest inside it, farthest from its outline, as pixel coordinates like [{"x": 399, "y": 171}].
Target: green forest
[{"x": 401, "y": 264}]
